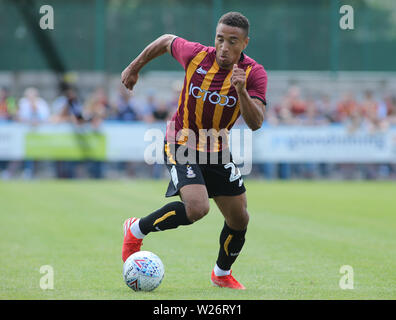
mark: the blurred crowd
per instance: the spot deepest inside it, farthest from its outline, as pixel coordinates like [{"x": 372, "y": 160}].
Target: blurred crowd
[
  {"x": 293, "y": 108},
  {"x": 70, "y": 107},
  {"x": 354, "y": 110}
]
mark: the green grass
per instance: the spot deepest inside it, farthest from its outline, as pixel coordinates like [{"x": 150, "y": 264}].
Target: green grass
[{"x": 299, "y": 236}]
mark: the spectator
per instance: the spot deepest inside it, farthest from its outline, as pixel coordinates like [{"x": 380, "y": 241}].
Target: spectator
[
  {"x": 126, "y": 105},
  {"x": 97, "y": 108},
  {"x": 32, "y": 108},
  {"x": 369, "y": 110},
  {"x": 311, "y": 116},
  {"x": 382, "y": 111},
  {"x": 161, "y": 113},
  {"x": 386, "y": 112},
  {"x": 326, "y": 108},
  {"x": 347, "y": 108},
  {"x": 355, "y": 120},
  {"x": 7, "y": 113},
  {"x": 8, "y": 107},
  {"x": 58, "y": 104},
  {"x": 285, "y": 115},
  {"x": 295, "y": 103},
  {"x": 291, "y": 106},
  {"x": 150, "y": 106},
  {"x": 68, "y": 108},
  {"x": 390, "y": 102},
  {"x": 369, "y": 106}
]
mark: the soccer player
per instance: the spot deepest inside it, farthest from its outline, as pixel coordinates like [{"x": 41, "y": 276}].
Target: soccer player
[{"x": 221, "y": 83}]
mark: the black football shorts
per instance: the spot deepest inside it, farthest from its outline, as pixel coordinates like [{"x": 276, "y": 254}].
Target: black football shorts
[{"x": 221, "y": 179}]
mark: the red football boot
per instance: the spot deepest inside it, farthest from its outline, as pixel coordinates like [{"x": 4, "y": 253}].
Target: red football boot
[
  {"x": 131, "y": 243},
  {"x": 226, "y": 282}
]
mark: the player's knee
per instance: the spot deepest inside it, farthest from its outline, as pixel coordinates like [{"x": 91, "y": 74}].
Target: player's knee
[
  {"x": 239, "y": 220},
  {"x": 244, "y": 220},
  {"x": 243, "y": 216},
  {"x": 196, "y": 209}
]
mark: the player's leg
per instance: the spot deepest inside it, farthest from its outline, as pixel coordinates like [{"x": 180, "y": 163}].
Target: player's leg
[
  {"x": 225, "y": 185},
  {"x": 194, "y": 206},
  {"x": 232, "y": 238},
  {"x": 196, "y": 201},
  {"x": 187, "y": 181}
]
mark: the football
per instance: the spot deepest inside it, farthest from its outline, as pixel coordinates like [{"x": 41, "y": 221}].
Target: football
[{"x": 143, "y": 271}]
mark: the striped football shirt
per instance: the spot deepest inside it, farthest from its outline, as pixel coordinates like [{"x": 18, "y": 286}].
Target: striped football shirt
[{"x": 208, "y": 105}]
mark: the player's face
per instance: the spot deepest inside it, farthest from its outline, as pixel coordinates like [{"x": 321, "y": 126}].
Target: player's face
[{"x": 229, "y": 43}]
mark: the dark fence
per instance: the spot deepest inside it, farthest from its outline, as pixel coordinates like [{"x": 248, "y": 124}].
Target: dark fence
[{"x": 285, "y": 35}]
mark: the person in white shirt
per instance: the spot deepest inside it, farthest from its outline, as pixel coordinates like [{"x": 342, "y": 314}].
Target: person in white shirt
[{"x": 32, "y": 108}]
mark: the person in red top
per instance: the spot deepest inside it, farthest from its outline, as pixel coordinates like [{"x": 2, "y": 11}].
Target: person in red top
[
  {"x": 221, "y": 83},
  {"x": 347, "y": 108}
]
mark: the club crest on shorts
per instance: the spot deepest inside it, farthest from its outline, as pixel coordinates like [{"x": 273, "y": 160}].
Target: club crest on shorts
[{"x": 190, "y": 172}]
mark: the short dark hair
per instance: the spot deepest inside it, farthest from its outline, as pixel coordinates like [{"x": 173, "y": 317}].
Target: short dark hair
[{"x": 235, "y": 19}]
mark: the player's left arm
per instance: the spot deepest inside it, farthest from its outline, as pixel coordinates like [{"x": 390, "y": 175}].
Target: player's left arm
[{"x": 252, "y": 110}]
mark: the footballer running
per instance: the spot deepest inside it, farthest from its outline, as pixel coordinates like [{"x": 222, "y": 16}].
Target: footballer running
[{"x": 221, "y": 83}]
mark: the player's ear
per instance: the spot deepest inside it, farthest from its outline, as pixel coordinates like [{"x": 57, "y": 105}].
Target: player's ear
[{"x": 246, "y": 42}]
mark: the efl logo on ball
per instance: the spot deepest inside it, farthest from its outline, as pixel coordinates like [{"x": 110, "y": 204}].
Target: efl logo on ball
[{"x": 143, "y": 271}]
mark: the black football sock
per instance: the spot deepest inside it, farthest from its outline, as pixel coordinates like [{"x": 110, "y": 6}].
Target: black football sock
[
  {"x": 169, "y": 216},
  {"x": 231, "y": 243}
]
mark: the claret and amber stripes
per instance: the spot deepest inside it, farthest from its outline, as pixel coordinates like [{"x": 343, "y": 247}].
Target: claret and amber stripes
[
  {"x": 199, "y": 106},
  {"x": 236, "y": 111},
  {"x": 207, "y": 104},
  {"x": 192, "y": 67}
]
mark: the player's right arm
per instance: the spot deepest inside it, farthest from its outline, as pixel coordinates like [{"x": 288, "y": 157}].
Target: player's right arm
[{"x": 158, "y": 47}]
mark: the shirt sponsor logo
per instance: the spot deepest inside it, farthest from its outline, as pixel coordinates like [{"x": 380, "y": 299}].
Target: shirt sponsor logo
[
  {"x": 213, "y": 97},
  {"x": 201, "y": 71}
]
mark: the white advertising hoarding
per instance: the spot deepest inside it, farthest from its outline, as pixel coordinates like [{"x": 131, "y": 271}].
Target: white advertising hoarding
[{"x": 116, "y": 141}]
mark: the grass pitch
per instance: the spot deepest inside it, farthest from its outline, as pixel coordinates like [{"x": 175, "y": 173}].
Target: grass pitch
[{"x": 300, "y": 234}]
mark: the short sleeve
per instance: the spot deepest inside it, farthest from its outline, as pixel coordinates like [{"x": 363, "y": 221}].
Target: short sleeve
[
  {"x": 257, "y": 83},
  {"x": 184, "y": 51}
]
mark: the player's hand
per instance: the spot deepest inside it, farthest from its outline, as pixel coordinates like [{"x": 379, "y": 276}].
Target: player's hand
[
  {"x": 238, "y": 78},
  {"x": 129, "y": 77}
]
